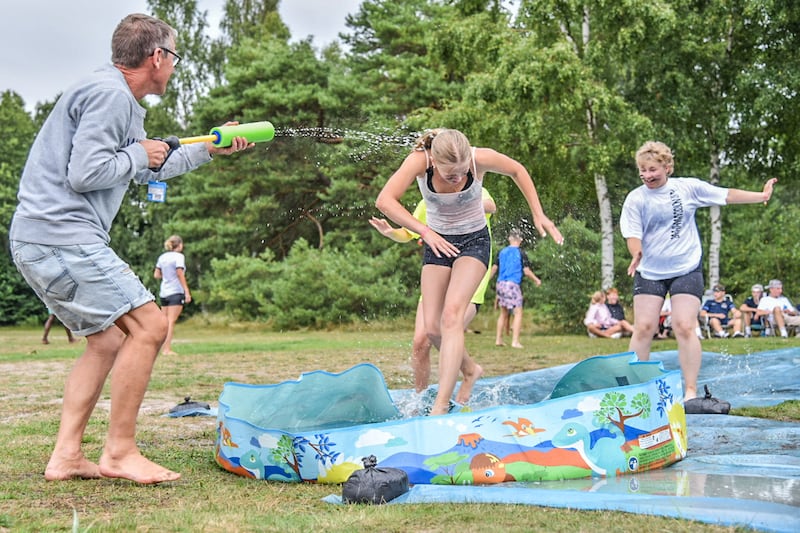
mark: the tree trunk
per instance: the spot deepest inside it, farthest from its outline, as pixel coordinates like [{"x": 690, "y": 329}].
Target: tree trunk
[
  {"x": 320, "y": 231},
  {"x": 606, "y": 220},
  {"x": 606, "y": 232},
  {"x": 716, "y": 225},
  {"x": 600, "y": 184}
]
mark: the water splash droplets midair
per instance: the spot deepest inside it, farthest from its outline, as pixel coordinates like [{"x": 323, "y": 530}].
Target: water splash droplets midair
[{"x": 374, "y": 141}]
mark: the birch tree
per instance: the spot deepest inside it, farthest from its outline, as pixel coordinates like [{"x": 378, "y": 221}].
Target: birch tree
[
  {"x": 565, "y": 69},
  {"x": 692, "y": 83}
]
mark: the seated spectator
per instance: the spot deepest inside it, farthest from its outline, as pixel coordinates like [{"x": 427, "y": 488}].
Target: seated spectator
[
  {"x": 718, "y": 311},
  {"x": 749, "y": 308},
  {"x": 665, "y": 319},
  {"x": 616, "y": 309},
  {"x": 697, "y": 330},
  {"x": 600, "y": 323},
  {"x": 778, "y": 309}
]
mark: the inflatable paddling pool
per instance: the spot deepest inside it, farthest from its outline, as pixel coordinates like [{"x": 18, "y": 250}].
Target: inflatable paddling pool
[{"x": 607, "y": 416}]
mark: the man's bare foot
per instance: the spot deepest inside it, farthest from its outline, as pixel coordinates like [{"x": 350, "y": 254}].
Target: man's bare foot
[
  {"x": 45, "y": 341},
  {"x": 136, "y": 467},
  {"x": 79, "y": 468},
  {"x": 500, "y": 343},
  {"x": 465, "y": 391},
  {"x": 517, "y": 345}
]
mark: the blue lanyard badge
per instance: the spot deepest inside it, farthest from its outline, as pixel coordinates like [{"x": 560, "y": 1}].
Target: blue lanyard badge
[{"x": 156, "y": 191}]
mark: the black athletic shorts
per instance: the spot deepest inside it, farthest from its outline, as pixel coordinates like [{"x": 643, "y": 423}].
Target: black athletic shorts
[
  {"x": 477, "y": 245},
  {"x": 691, "y": 283},
  {"x": 173, "y": 299}
]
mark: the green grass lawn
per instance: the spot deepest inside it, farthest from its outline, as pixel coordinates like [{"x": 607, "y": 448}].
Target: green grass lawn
[{"x": 208, "y": 498}]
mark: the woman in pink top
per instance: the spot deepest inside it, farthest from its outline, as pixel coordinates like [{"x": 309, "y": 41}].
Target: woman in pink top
[{"x": 600, "y": 323}]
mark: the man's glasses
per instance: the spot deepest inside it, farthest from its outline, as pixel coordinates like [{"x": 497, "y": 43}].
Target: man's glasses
[{"x": 175, "y": 57}]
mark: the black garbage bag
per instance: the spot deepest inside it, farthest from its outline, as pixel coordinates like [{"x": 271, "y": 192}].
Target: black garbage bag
[
  {"x": 708, "y": 405},
  {"x": 374, "y": 484}
]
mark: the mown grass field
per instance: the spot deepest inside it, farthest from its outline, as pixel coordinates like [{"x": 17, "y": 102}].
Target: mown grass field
[{"x": 208, "y": 498}]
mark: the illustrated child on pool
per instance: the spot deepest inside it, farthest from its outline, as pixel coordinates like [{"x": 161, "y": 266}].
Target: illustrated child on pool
[{"x": 449, "y": 173}]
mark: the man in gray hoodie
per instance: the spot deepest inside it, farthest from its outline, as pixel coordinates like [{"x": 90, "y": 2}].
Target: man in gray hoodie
[{"x": 78, "y": 170}]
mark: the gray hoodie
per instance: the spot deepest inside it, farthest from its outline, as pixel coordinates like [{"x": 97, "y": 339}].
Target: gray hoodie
[{"x": 82, "y": 161}]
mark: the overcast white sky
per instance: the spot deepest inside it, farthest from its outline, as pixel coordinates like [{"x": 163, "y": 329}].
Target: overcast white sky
[{"x": 51, "y": 44}]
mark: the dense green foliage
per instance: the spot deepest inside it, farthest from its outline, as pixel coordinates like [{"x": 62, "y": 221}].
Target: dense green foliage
[
  {"x": 569, "y": 88},
  {"x": 17, "y": 301},
  {"x": 312, "y": 287}
]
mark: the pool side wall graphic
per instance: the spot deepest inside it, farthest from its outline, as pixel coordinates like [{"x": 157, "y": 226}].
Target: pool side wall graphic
[{"x": 608, "y": 416}]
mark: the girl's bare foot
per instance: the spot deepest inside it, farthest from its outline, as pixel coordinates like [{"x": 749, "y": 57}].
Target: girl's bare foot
[
  {"x": 439, "y": 411},
  {"x": 465, "y": 391},
  {"x": 60, "y": 469},
  {"x": 136, "y": 467},
  {"x": 689, "y": 393},
  {"x": 517, "y": 345}
]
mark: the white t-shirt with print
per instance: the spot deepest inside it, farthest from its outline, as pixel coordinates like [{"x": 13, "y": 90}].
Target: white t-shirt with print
[{"x": 663, "y": 219}]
